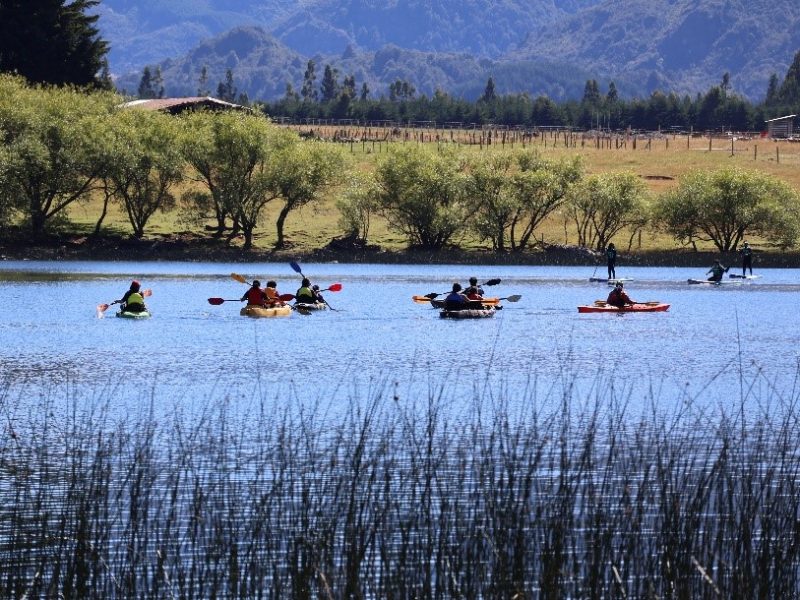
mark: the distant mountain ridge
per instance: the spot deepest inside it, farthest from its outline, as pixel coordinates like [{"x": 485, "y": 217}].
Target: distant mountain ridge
[{"x": 533, "y": 46}]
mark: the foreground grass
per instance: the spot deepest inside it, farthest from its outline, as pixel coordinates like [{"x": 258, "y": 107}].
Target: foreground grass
[
  {"x": 660, "y": 162},
  {"x": 400, "y": 498}
]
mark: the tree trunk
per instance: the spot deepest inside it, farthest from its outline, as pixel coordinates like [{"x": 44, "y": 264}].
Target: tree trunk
[{"x": 279, "y": 226}]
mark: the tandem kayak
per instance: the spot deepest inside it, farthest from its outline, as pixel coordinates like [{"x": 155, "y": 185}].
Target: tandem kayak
[
  {"x": 469, "y": 313},
  {"x": 311, "y": 305},
  {"x": 263, "y": 311},
  {"x": 485, "y": 302},
  {"x": 124, "y": 314},
  {"x": 607, "y": 308}
]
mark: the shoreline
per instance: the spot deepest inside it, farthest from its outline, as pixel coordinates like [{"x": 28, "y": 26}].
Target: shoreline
[{"x": 205, "y": 250}]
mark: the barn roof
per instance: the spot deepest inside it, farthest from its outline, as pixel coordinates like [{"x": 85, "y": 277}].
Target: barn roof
[
  {"x": 780, "y": 118},
  {"x": 177, "y": 105}
]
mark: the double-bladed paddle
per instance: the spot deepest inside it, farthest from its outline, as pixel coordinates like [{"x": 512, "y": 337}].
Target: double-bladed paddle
[
  {"x": 101, "y": 308},
  {"x": 432, "y": 295},
  {"x": 218, "y": 301}
]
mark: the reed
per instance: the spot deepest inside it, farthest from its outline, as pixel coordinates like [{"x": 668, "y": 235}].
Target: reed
[{"x": 570, "y": 497}]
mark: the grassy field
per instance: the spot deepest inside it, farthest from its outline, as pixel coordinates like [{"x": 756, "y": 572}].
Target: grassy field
[{"x": 659, "y": 160}]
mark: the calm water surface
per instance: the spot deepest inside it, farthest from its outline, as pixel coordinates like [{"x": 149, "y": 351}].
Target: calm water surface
[{"x": 716, "y": 345}]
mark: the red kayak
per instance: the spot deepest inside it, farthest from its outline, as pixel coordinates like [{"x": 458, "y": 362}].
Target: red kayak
[{"x": 607, "y": 308}]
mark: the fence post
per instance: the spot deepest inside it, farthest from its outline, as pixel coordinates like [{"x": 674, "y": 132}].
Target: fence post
[{"x": 755, "y": 152}]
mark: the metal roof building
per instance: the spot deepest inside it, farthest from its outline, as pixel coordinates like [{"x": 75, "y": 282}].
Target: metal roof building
[
  {"x": 780, "y": 127},
  {"x": 179, "y": 105}
]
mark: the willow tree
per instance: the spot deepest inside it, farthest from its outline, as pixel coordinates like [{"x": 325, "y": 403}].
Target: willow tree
[
  {"x": 302, "y": 171},
  {"x": 422, "y": 194},
  {"x": 232, "y": 154},
  {"x": 492, "y": 199},
  {"x": 540, "y": 187},
  {"x": 604, "y": 205},
  {"x": 724, "y": 206},
  {"x": 55, "y": 148},
  {"x": 147, "y": 165}
]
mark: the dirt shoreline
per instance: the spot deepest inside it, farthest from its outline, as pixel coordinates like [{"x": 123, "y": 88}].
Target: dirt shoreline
[{"x": 205, "y": 250}]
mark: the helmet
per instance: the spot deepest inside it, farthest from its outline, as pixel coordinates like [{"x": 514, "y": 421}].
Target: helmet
[
  {"x": 306, "y": 282},
  {"x": 473, "y": 281},
  {"x": 315, "y": 287},
  {"x": 135, "y": 285},
  {"x": 256, "y": 283}
]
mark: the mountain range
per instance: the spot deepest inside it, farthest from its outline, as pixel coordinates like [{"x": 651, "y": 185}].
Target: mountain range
[{"x": 546, "y": 47}]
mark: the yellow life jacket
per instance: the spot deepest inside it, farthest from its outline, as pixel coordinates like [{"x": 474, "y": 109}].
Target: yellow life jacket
[{"x": 135, "y": 298}]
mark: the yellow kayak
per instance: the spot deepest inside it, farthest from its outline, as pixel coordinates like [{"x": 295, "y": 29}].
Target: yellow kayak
[{"x": 262, "y": 311}]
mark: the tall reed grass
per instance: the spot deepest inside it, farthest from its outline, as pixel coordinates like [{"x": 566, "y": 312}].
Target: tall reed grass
[{"x": 402, "y": 498}]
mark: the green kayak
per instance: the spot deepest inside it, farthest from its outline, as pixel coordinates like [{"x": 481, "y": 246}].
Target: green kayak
[{"x": 133, "y": 315}]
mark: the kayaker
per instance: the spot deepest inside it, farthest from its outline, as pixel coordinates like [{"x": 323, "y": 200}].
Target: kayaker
[
  {"x": 618, "y": 297},
  {"x": 317, "y": 294},
  {"x": 747, "y": 259},
  {"x": 273, "y": 297},
  {"x": 611, "y": 260},
  {"x": 717, "y": 270},
  {"x": 306, "y": 294},
  {"x": 474, "y": 289},
  {"x": 132, "y": 301},
  {"x": 456, "y": 300},
  {"x": 255, "y": 296}
]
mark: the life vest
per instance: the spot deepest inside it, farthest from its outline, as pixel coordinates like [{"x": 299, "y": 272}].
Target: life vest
[
  {"x": 135, "y": 298},
  {"x": 272, "y": 293},
  {"x": 255, "y": 297},
  {"x": 305, "y": 296}
]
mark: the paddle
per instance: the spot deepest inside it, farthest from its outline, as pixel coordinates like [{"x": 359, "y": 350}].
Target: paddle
[
  {"x": 218, "y": 301},
  {"x": 648, "y": 303},
  {"x": 101, "y": 308},
  {"x": 514, "y": 298},
  {"x": 431, "y": 296}
]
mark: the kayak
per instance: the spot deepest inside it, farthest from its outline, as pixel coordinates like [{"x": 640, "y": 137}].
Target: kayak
[
  {"x": 468, "y": 313},
  {"x": 439, "y": 302},
  {"x": 707, "y": 282},
  {"x": 610, "y": 281},
  {"x": 263, "y": 311},
  {"x": 735, "y": 276},
  {"x": 123, "y": 314},
  {"x": 473, "y": 304},
  {"x": 607, "y": 308},
  {"x": 311, "y": 306}
]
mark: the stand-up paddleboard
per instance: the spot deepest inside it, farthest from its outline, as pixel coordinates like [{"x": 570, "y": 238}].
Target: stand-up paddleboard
[
  {"x": 721, "y": 282},
  {"x": 735, "y": 276},
  {"x": 610, "y": 281}
]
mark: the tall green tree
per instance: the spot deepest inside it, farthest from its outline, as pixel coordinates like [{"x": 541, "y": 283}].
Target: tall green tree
[
  {"x": 301, "y": 172},
  {"x": 421, "y": 193},
  {"x": 309, "y": 92},
  {"x": 230, "y": 153},
  {"x": 603, "y": 205},
  {"x": 491, "y": 197},
  {"x": 147, "y": 165},
  {"x": 55, "y": 148},
  {"x": 52, "y": 41},
  {"x": 724, "y": 206},
  {"x": 329, "y": 88}
]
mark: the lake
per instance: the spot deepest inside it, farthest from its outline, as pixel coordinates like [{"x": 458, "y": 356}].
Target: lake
[{"x": 716, "y": 346}]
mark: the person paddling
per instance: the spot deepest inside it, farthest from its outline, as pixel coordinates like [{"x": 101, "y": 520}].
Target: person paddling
[
  {"x": 474, "y": 289},
  {"x": 133, "y": 300},
  {"x": 618, "y": 297},
  {"x": 717, "y": 270},
  {"x": 273, "y": 297},
  {"x": 255, "y": 296},
  {"x": 747, "y": 259},
  {"x": 456, "y": 300},
  {"x": 306, "y": 294}
]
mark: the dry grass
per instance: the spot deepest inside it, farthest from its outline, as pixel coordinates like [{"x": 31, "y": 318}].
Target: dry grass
[{"x": 661, "y": 161}]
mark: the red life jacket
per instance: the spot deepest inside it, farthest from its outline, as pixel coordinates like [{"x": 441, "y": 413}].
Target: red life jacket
[{"x": 256, "y": 297}]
